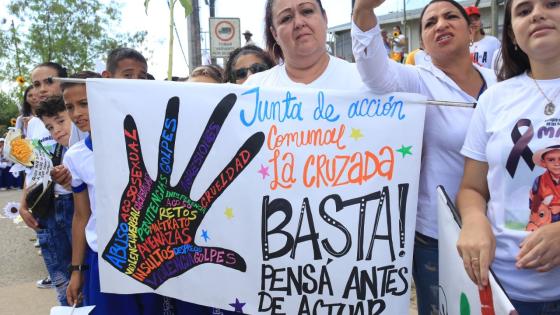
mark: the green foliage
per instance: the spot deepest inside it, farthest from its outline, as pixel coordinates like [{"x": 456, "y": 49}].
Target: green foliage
[
  {"x": 73, "y": 33},
  {"x": 8, "y": 111},
  {"x": 187, "y": 5}
]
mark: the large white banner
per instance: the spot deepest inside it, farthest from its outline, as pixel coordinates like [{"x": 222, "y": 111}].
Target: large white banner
[
  {"x": 458, "y": 295},
  {"x": 272, "y": 201}
]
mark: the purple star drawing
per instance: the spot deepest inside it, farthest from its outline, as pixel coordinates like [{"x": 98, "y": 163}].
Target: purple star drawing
[
  {"x": 238, "y": 306},
  {"x": 263, "y": 171}
]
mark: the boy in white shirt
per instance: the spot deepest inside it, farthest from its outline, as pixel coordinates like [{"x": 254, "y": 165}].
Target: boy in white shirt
[
  {"x": 55, "y": 229},
  {"x": 80, "y": 160}
]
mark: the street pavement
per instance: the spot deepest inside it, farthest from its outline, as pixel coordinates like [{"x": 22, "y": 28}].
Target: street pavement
[{"x": 20, "y": 267}]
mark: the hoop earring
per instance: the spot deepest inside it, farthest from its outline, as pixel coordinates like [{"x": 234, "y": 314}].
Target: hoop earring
[{"x": 274, "y": 53}]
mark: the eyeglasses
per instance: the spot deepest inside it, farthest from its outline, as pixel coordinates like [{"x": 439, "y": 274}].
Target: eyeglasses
[{"x": 242, "y": 73}]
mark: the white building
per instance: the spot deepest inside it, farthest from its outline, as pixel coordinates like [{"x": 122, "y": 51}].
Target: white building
[{"x": 342, "y": 43}]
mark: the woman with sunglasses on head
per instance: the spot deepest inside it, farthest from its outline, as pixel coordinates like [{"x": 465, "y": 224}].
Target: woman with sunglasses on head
[
  {"x": 448, "y": 75},
  {"x": 512, "y": 155},
  {"x": 245, "y": 61},
  {"x": 296, "y": 34}
]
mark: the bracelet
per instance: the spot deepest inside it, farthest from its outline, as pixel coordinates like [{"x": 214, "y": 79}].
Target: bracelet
[{"x": 72, "y": 268}]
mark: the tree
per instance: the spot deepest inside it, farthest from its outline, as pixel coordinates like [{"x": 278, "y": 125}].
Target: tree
[
  {"x": 8, "y": 111},
  {"x": 73, "y": 33},
  {"x": 188, "y": 7}
]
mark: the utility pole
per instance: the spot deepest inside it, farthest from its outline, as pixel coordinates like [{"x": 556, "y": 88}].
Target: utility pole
[
  {"x": 494, "y": 10},
  {"x": 212, "y": 6},
  {"x": 404, "y": 27},
  {"x": 193, "y": 21}
]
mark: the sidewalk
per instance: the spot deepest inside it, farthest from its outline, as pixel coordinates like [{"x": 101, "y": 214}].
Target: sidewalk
[{"x": 20, "y": 268}]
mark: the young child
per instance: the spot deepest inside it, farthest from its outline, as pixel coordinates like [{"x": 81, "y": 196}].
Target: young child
[
  {"x": 126, "y": 63},
  {"x": 6, "y": 178},
  {"x": 80, "y": 160},
  {"x": 544, "y": 198},
  {"x": 55, "y": 234}
]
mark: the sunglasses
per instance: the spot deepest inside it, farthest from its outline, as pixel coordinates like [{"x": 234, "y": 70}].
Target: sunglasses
[{"x": 242, "y": 73}]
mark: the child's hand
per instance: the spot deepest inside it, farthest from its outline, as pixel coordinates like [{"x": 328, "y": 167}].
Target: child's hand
[
  {"x": 61, "y": 175},
  {"x": 28, "y": 218},
  {"x": 151, "y": 208},
  {"x": 74, "y": 289}
]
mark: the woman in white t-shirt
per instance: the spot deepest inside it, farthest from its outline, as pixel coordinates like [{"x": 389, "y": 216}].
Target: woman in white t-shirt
[
  {"x": 296, "y": 37},
  {"x": 448, "y": 75},
  {"x": 483, "y": 46},
  {"x": 513, "y": 136}
]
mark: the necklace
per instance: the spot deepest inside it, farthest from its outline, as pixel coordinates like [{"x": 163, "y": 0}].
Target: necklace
[{"x": 549, "y": 108}]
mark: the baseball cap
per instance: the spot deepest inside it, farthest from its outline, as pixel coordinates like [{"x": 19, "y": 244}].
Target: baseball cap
[{"x": 472, "y": 10}]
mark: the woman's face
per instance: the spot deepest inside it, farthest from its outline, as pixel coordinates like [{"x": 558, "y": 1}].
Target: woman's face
[
  {"x": 536, "y": 27},
  {"x": 299, "y": 27},
  {"x": 444, "y": 31},
  {"x": 245, "y": 66},
  {"x": 476, "y": 24},
  {"x": 43, "y": 84},
  {"x": 32, "y": 99}
]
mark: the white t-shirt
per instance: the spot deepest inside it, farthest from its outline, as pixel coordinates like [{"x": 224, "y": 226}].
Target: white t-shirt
[
  {"x": 79, "y": 161},
  {"x": 399, "y": 43},
  {"x": 76, "y": 135},
  {"x": 444, "y": 127},
  {"x": 482, "y": 51},
  {"x": 340, "y": 74},
  {"x": 505, "y": 132},
  {"x": 36, "y": 131}
]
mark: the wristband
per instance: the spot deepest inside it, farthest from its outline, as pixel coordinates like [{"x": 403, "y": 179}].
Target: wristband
[{"x": 72, "y": 268}]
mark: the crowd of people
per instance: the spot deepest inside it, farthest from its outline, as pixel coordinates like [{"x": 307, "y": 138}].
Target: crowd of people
[{"x": 500, "y": 160}]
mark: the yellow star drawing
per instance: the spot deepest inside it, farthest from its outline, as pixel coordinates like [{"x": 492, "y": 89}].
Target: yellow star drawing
[
  {"x": 229, "y": 213},
  {"x": 356, "y": 134}
]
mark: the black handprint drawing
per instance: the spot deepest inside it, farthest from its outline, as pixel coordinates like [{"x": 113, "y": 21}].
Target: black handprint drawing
[{"x": 155, "y": 236}]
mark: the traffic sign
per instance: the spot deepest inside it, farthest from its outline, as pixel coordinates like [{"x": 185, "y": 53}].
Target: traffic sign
[{"x": 225, "y": 36}]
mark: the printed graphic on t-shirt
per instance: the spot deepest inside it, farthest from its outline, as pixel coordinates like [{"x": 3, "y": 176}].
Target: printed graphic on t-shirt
[
  {"x": 544, "y": 162},
  {"x": 544, "y": 196},
  {"x": 480, "y": 58}
]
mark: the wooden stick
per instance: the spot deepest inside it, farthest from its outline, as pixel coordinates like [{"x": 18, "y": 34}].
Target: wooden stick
[{"x": 428, "y": 102}]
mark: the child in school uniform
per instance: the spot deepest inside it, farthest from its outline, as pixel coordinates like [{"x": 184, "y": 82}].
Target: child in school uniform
[
  {"x": 79, "y": 160},
  {"x": 58, "y": 225}
]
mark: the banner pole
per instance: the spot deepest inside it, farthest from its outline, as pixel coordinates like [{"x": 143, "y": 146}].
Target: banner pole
[{"x": 428, "y": 102}]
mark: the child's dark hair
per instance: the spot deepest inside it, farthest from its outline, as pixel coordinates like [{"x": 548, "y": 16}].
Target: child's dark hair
[
  {"x": 50, "y": 107},
  {"x": 121, "y": 53},
  {"x": 25, "y": 106},
  {"x": 241, "y": 51},
  {"x": 79, "y": 75},
  {"x": 61, "y": 71},
  {"x": 212, "y": 71}
]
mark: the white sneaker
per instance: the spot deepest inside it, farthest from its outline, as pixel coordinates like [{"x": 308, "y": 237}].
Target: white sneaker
[{"x": 45, "y": 283}]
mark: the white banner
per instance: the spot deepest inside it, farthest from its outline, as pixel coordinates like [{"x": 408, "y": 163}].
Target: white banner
[
  {"x": 273, "y": 201},
  {"x": 458, "y": 295}
]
